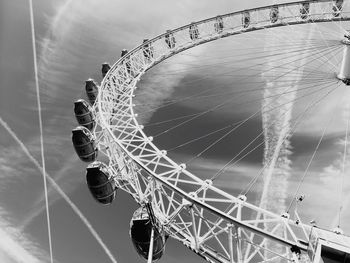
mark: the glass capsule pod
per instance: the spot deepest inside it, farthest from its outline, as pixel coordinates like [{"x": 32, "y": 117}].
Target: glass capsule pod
[
  {"x": 304, "y": 10},
  {"x": 193, "y": 31},
  {"x": 84, "y": 144},
  {"x": 127, "y": 63},
  {"x": 91, "y": 89},
  {"x": 100, "y": 182},
  {"x": 170, "y": 39},
  {"x": 245, "y": 19},
  {"x": 105, "y": 68},
  {"x": 147, "y": 50},
  {"x": 337, "y": 7},
  {"x": 274, "y": 14},
  {"x": 140, "y": 233},
  {"x": 219, "y": 24},
  {"x": 83, "y": 114}
]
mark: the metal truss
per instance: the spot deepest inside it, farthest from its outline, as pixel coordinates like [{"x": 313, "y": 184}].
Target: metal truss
[{"x": 214, "y": 224}]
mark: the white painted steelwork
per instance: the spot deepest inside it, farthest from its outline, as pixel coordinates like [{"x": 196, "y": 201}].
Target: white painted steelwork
[{"x": 189, "y": 208}]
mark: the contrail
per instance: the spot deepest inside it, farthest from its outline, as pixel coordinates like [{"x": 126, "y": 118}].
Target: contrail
[
  {"x": 154, "y": 96},
  {"x": 60, "y": 191},
  {"x": 40, "y": 126},
  {"x": 277, "y": 140},
  {"x": 38, "y": 206},
  {"x": 340, "y": 168}
]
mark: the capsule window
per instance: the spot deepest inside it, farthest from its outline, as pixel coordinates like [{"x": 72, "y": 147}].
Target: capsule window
[
  {"x": 329, "y": 254},
  {"x": 219, "y": 25},
  {"x": 147, "y": 50},
  {"x": 304, "y": 10},
  {"x": 194, "y": 32},
  {"x": 170, "y": 40},
  {"x": 274, "y": 14},
  {"x": 337, "y": 7},
  {"x": 246, "y": 19}
]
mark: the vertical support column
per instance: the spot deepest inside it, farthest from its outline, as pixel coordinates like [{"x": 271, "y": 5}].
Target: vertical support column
[
  {"x": 230, "y": 242},
  {"x": 194, "y": 228},
  {"x": 150, "y": 251},
  {"x": 344, "y": 73},
  {"x": 239, "y": 245},
  {"x": 238, "y": 232}
]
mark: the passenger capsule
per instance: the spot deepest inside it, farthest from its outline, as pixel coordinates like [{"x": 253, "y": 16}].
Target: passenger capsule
[
  {"x": 83, "y": 114},
  {"x": 140, "y": 233},
  {"x": 194, "y": 32},
  {"x": 100, "y": 182},
  {"x": 274, "y": 14},
  {"x": 84, "y": 144},
  {"x": 337, "y": 7},
  {"x": 304, "y": 10},
  {"x": 219, "y": 24},
  {"x": 91, "y": 90},
  {"x": 170, "y": 39},
  {"x": 246, "y": 19},
  {"x": 124, "y": 52},
  {"x": 105, "y": 68},
  {"x": 127, "y": 63},
  {"x": 147, "y": 50}
]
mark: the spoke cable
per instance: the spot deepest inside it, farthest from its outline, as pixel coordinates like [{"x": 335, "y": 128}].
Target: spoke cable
[
  {"x": 239, "y": 122},
  {"x": 223, "y": 169},
  {"x": 253, "y": 181},
  {"x": 293, "y": 129},
  {"x": 162, "y": 106},
  {"x": 328, "y": 123}
]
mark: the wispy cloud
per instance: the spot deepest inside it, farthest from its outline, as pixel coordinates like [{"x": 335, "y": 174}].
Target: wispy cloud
[
  {"x": 160, "y": 86},
  {"x": 276, "y": 118},
  {"x": 60, "y": 191},
  {"x": 234, "y": 179},
  {"x": 68, "y": 184},
  {"x": 334, "y": 177},
  {"x": 16, "y": 246}
]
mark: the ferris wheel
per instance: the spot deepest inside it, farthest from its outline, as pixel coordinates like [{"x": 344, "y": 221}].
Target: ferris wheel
[{"x": 176, "y": 202}]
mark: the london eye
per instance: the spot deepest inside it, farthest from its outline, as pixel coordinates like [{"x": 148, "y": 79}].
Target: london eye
[{"x": 287, "y": 71}]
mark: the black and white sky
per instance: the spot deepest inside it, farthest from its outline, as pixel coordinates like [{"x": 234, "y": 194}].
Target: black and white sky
[{"x": 73, "y": 38}]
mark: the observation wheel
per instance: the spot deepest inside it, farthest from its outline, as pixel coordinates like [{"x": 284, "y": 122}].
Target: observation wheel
[{"x": 190, "y": 207}]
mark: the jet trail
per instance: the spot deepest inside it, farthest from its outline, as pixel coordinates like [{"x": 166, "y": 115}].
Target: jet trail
[
  {"x": 60, "y": 191},
  {"x": 277, "y": 138},
  {"x": 336, "y": 172}
]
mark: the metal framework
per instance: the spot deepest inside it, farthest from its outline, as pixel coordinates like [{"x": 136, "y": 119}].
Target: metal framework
[{"x": 214, "y": 224}]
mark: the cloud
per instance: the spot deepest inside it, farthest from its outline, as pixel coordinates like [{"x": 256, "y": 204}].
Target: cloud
[
  {"x": 334, "y": 178},
  {"x": 60, "y": 191},
  {"x": 322, "y": 185},
  {"x": 234, "y": 179},
  {"x": 277, "y": 123},
  {"x": 17, "y": 246},
  {"x": 156, "y": 88},
  {"x": 68, "y": 183},
  {"x": 87, "y": 33}
]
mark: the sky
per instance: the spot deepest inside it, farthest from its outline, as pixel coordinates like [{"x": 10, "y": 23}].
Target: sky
[{"x": 73, "y": 38}]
